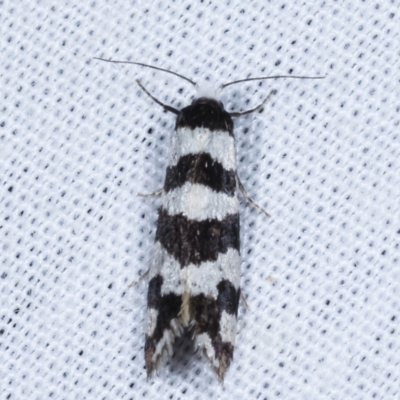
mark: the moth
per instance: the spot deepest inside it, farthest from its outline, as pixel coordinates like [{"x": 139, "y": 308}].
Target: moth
[{"x": 194, "y": 277}]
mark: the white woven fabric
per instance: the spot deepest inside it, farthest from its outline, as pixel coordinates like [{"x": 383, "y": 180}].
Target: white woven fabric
[{"x": 79, "y": 140}]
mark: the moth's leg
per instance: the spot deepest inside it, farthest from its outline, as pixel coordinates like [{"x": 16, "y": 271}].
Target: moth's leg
[
  {"x": 134, "y": 283},
  {"x": 157, "y": 193},
  {"x": 244, "y": 300},
  {"x": 248, "y": 198}
]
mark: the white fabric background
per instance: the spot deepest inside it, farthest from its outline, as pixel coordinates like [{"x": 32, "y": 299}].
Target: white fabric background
[{"x": 78, "y": 140}]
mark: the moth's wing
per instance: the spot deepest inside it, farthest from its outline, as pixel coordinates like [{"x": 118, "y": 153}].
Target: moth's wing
[
  {"x": 163, "y": 307},
  {"x": 214, "y": 311},
  {"x": 215, "y": 325}
]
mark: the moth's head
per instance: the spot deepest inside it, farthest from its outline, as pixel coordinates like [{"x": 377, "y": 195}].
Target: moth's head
[
  {"x": 205, "y": 112},
  {"x": 208, "y": 94},
  {"x": 208, "y": 103},
  {"x": 209, "y": 91}
]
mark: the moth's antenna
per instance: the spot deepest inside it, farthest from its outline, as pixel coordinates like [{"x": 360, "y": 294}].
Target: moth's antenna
[
  {"x": 239, "y": 114},
  {"x": 165, "y": 106},
  {"x": 270, "y": 77},
  {"x": 149, "y": 66}
]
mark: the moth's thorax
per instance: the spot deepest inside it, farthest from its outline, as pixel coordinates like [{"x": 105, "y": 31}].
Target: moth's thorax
[{"x": 205, "y": 112}]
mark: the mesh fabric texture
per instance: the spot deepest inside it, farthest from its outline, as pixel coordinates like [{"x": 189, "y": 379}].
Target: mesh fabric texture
[{"x": 79, "y": 140}]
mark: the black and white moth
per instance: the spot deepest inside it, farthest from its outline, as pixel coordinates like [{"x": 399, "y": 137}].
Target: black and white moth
[{"x": 194, "y": 277}]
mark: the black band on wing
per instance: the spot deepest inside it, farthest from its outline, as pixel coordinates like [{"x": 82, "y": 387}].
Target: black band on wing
[
  {"x": 194, "y": 242},
  {"x": 207, "y": 310},
  {"x": 202, "y": 169},
  {"x": 207, "y": 313},
  {"x": 168, "y": 307}
]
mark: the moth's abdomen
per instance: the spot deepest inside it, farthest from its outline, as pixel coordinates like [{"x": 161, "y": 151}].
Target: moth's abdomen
[{"x": 194, "y": 276}]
